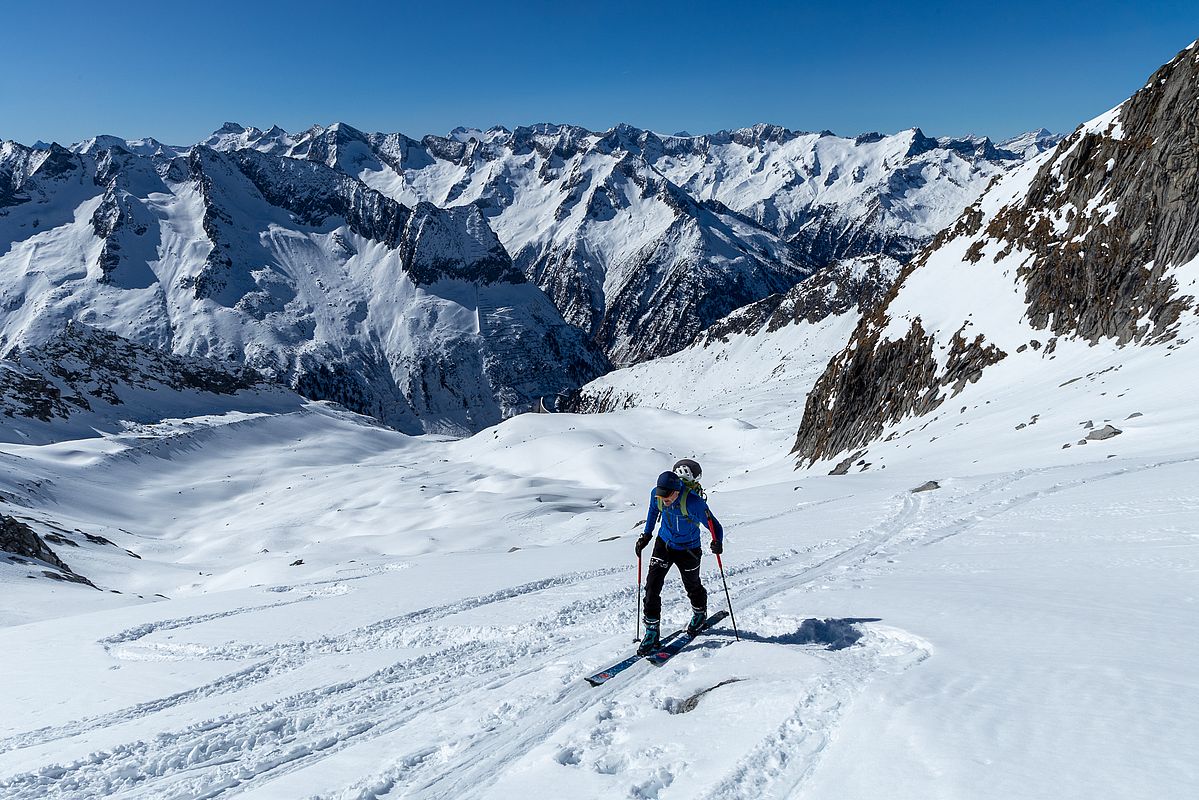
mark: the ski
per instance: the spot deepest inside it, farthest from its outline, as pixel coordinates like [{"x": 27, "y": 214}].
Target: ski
[
  {"x": 671, "y": 649},
  {"x": 620, "y": 666}
]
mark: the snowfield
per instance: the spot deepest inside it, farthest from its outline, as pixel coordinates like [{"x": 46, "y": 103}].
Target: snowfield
[{"x": 1026, "y": 630}]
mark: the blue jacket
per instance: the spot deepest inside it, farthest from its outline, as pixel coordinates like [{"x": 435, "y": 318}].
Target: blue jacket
[{"x": 679, "y": 532}]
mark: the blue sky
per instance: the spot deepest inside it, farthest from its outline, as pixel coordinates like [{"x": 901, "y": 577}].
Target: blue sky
[{"x": 177, "y": 71}]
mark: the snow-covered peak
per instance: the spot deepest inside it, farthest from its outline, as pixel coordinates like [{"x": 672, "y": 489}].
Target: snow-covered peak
[
  {"x": 462, "y": 134},
  {"x": 232, "y": 136},
  {"x": 289, "y": 266},
  {"x": 1032, "y": 143},
  {"x": 142, "y": 147}
]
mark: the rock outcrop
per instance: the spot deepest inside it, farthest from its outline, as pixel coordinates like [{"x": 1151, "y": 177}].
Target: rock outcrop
[
  {"x": 20, "y": 544},
  {"x": 1086, "y": 242}
]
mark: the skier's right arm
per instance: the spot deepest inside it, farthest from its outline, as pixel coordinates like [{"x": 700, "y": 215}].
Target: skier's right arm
[{"x": 651, "y": 519}]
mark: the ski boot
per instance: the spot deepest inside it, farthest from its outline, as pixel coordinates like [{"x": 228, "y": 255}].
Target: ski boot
[
  {"x": 652, "y": 638},
  {"x": 698, "y": 617}
]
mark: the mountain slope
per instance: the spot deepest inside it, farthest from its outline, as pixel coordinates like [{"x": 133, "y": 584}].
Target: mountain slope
[
  {"x": 611, "y": 225},
  {"x": 1076, "y": 266},
  {"x": 758, "y": 363},
  {"x": 624, "y": 254},
  {"x": 83, "y": 380},
  {"x": 414, "y": 315}
]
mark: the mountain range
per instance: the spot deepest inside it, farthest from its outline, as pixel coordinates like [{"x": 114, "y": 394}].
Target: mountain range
[
  {"x": 954, "y": 457},
  {"x": 443, "y": 284}
]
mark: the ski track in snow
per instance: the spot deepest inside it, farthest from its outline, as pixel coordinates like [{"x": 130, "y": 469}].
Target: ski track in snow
[
  {"x": 280, "y": 658},
  {"x": 467, "y": 668}
]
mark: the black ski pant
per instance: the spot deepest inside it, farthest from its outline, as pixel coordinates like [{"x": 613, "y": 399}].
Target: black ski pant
[{"x": 659, "y": 564}]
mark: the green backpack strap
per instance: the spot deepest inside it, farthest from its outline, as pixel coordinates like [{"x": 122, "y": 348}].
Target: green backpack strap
[{"x": 682, "y": 501}]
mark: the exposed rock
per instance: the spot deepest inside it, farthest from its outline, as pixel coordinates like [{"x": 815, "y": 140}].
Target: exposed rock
[
  {"x": 927, "y": 486},
  {"x": 1096, "y": 236},
  {"x": 876, "y": 382},
  {"x": 22, "y": 541},
  {"x": 1128, "y": 198},
  {"x": 843, "y": 466},
  {"x": 82, "y": 366},
  {"x": 853, "y": 285},
  {"x": 1106, "y": 432},
  {"x": 299, "y": 271}
]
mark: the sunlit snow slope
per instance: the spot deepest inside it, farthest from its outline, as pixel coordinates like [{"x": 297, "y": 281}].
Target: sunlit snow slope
[{"x": 355, "y": 613}]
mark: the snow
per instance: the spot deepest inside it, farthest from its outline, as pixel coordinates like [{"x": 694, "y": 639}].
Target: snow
[
  {"x": 760, "y": 379},
  {"x": 1028, "y": 630},
  {"x": 297, "y": 602}
]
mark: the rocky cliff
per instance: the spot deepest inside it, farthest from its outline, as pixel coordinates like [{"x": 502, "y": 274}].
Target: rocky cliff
[{"x": 1092, "y": 242}]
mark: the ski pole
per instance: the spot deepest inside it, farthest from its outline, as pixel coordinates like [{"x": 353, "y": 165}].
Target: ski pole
[
  {"x": 726, "y": 596},
  {"x": 637, "y": 637}
]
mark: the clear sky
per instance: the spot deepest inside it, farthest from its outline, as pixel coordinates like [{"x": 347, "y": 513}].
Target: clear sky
[{"x": 177, "y": 71}]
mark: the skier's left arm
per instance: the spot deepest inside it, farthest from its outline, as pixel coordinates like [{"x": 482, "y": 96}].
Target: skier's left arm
[{"x": 717, "y": 533}]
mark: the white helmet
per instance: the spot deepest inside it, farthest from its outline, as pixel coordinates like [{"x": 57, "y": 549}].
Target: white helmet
[{"x": 686, "y": 468}]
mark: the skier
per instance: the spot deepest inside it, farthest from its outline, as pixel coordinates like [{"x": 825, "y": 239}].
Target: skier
[{"x": 680, "y": 501}]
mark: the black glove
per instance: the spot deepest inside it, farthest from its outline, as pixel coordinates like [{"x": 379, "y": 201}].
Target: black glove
[
  {"x": 717, "y": 546},
  {"x": 642, "y": 541}
]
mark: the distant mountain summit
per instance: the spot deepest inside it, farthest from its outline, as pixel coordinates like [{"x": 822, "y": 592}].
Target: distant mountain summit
[{"x": 1032, "y": 143}]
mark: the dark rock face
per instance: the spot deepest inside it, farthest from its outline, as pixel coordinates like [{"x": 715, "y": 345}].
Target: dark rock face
[
  {"x": 1102, "y": 275},
  {"x": 285, "y": 264},
  {"x": 21, "y": 542},
  {"x": 707, "y": 262},
  {"x": 876, "y": 382},
  {"x": 83, "y": 365},
  {"x": 656, "y": 314},
  {"x": 30, "y": 396},
  {"x": 314, "y": 193},
  {"x": 213, "y": 275},
  {"x": 433, "y": 247},
  {"x": 586, "y": 184},
  {"x": 851, "y": 285},
  {"x": 28, "y": 174},
  {"x": 822, "y": 238}
]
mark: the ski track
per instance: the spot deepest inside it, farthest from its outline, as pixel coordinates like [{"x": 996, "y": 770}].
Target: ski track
[
  {"x": 235, "y": 752},
  {"x": 281, "y": 658}
]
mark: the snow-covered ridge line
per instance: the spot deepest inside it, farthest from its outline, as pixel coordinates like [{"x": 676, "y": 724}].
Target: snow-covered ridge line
[{"x": 609, "y": 224}]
